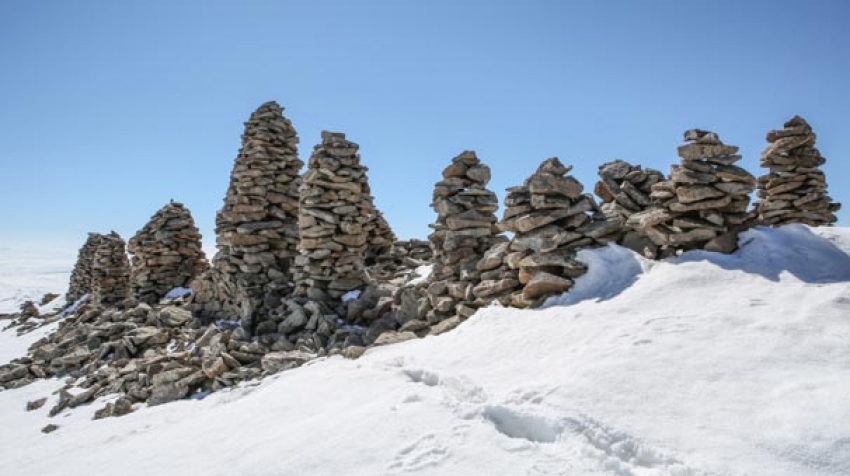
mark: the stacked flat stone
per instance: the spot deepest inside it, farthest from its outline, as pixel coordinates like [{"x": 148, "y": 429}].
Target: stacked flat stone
[
  {"x": 380, "y": 240},
  {"x": 625, "y": 188},
  {"x": 705, "y": 201},
  {"x": 257, "y": 229},
  {"x": 795, "y": 189},
  {"x": 110, "y": 271},
  {"x": 335, "y": 215},
  {"x": 81, "y": 276},
  {"x": 465, "y": 229},
  {"x": 403, "y": 258},
  {"x": 550, "y": 218},
  {"x": 166, "y": 253}
]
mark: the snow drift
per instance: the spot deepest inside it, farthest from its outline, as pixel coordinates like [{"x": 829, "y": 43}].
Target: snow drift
[{"x": 702, "y": 364}]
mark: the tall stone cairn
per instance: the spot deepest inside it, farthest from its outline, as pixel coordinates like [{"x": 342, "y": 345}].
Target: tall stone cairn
[
  {"x": 704, "y": 203},
  {"x": 551, "y": 218},
  {"x": 794, "y": 190},
  {"x": 465, "y": 229},
  {"x": 257, "y": 228},
  {"x": 81, "y": 276},
  {"x": 166, "y": 253},
  {"x": 336, "y": 218},
  {"x": 110, "y": 271}
]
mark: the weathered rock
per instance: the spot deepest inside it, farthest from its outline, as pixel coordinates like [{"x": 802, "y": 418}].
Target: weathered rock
[
  {"x": 36, "y": 404},
  {"x": 274, "y": 362}
]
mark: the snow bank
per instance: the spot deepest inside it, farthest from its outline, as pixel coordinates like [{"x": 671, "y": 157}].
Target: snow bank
[{"x": 704, "y": 364}]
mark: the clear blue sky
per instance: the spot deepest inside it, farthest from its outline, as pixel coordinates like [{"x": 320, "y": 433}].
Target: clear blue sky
[{"x": 109, "y": 108}]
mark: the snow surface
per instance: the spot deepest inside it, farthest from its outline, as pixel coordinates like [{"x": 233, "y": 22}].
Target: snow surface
[
  {"x": 30, "y": 273},
  {"x": 701, "y": 365}
]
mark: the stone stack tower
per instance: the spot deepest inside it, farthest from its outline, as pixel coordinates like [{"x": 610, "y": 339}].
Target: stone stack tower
[
  {"x": 257, "y": 229},
  {"x": 335, "y": 216},
  {"x": 166, "y": 253},
  {"x": 550, "y": 218},
  {"x": 465, "y": 229},
  {"x": 705, "y": 201},
  {"x": 795, "y": 189},
  {"x": 81, "y": 276},
  {"x": 110, "y": 271}
]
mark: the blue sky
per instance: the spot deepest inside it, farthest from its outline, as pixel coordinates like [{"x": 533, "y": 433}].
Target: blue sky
[{"x": 110, "y": 109}]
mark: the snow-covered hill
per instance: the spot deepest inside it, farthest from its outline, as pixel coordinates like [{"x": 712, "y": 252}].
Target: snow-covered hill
[{"x": 704, "y": 364}]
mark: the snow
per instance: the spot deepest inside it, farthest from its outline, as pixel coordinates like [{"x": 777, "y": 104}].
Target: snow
[
  {"x": 351, "y": 295},
  {"x": 704, "y": 364},
  {"x": 30, "y": 273},
  {"x": 177, "y": 293}
]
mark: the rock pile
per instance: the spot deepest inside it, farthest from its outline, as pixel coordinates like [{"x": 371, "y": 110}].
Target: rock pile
[
  {"x": 795, "y": 189},
  {"x": 160, "y": 353},
  {"x": 256, "y": 229},
  {"x": 166, "y": 253},
  {"x": 625, "y": 190},
  {"x": 336, "y": 218},
  {"x": 145, "y": 354},
  {"x": 465, "y": 229},
  {"x": 705, "y": 201},
  {"x": 81, "y": 276},
  {"x": 110, "y": 271},
  {"x": 29, "y": 309},
  {"x": 551, "y": 218}
]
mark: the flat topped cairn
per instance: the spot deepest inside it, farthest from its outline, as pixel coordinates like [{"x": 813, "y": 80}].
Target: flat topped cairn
[
  {"x": 704, "y": 203},
  {"x": 795, "y": 189},
  {"x": 550, "y": 218},
  {"x": 81, "y": 276},
  {"x": 110, "y": 272},
  {"x": 335, "y": 216},
  {"x": 464, "y": 230},
  {"x": 256, "y": 229},
  {"x": 166, "y": 253}
]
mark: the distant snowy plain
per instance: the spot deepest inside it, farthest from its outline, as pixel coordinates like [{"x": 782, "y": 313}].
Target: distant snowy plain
[{"x": 703, "y": 364}]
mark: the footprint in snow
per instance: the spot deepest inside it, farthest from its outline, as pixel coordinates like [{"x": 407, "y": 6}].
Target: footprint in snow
[{"x": 426, "y": 452}]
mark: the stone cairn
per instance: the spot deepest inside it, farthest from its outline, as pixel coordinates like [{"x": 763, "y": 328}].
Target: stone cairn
[
  {"x": 794, "y": 190},
  {"x": 166, "y": 253},
  {"x": 625, "y": 190},
  {"x": 705, "y": 202},
  {"x": 550, "y": 219},
  {"x": 465, "y": 229},
  {"x": 81, "y": 276},
  {"x": 256, "y": 229},
  {"x": 110, "y": 284},
  {"x": 336, "y": 218}
]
